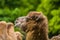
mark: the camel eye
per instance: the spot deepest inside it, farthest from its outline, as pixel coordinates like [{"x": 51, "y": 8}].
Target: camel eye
[
  {"x": 28, "y": 18},
  {"x": 16, "y": 22}
]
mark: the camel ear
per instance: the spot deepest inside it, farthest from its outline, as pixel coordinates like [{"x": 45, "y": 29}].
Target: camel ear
[
  {"x": 33, "y": 17},
  {"x": 39, "y": 18},
  {"x": 36, "y": 16}
]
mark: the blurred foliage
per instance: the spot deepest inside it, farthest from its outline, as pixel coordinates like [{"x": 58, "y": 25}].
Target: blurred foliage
[{"x": 12, "y": 9}]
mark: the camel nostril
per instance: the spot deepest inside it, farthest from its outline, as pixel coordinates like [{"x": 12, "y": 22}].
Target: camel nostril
[{"x": 16, "y": 22}]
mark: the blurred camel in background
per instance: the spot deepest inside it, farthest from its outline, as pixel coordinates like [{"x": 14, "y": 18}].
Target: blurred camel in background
[{"x": 7, "y": 32}]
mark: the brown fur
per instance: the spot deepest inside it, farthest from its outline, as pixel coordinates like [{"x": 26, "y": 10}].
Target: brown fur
[
  {"x": 12, "y": 34},
  {"x": 36, "y": 26},
  {"x": 10, "y": 31},
  {"x": 19, "y": 35},
  {"x": 3, "y": 30},
  {"x": 7, "y": 32}
]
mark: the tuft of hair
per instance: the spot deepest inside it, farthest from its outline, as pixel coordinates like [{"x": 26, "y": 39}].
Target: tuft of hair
[
  {"x": 55, "y": 37},
  {"x": 3, "y": 24},
  {"x": 19, "y": 35},
  {"x": 10, "y": 31}
]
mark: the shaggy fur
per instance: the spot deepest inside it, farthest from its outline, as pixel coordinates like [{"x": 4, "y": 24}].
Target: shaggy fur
[
  {"x": 7, "y": 32},
  {"x": 3, "y": 30},
  {"x": 10, "y": 31},
  {"x": 12, "y": 34},
  {"x": 36, "y": 26},
  {"x": 19, "y": 35}
]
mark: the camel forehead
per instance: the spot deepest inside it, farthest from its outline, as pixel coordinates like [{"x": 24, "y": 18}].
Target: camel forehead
[
  {"x": 34, "y": 14},
  {"x": 21, "y": 19}
]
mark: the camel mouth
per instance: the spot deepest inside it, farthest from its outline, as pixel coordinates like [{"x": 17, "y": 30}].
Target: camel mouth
[{"x": 17, "y": 24}]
